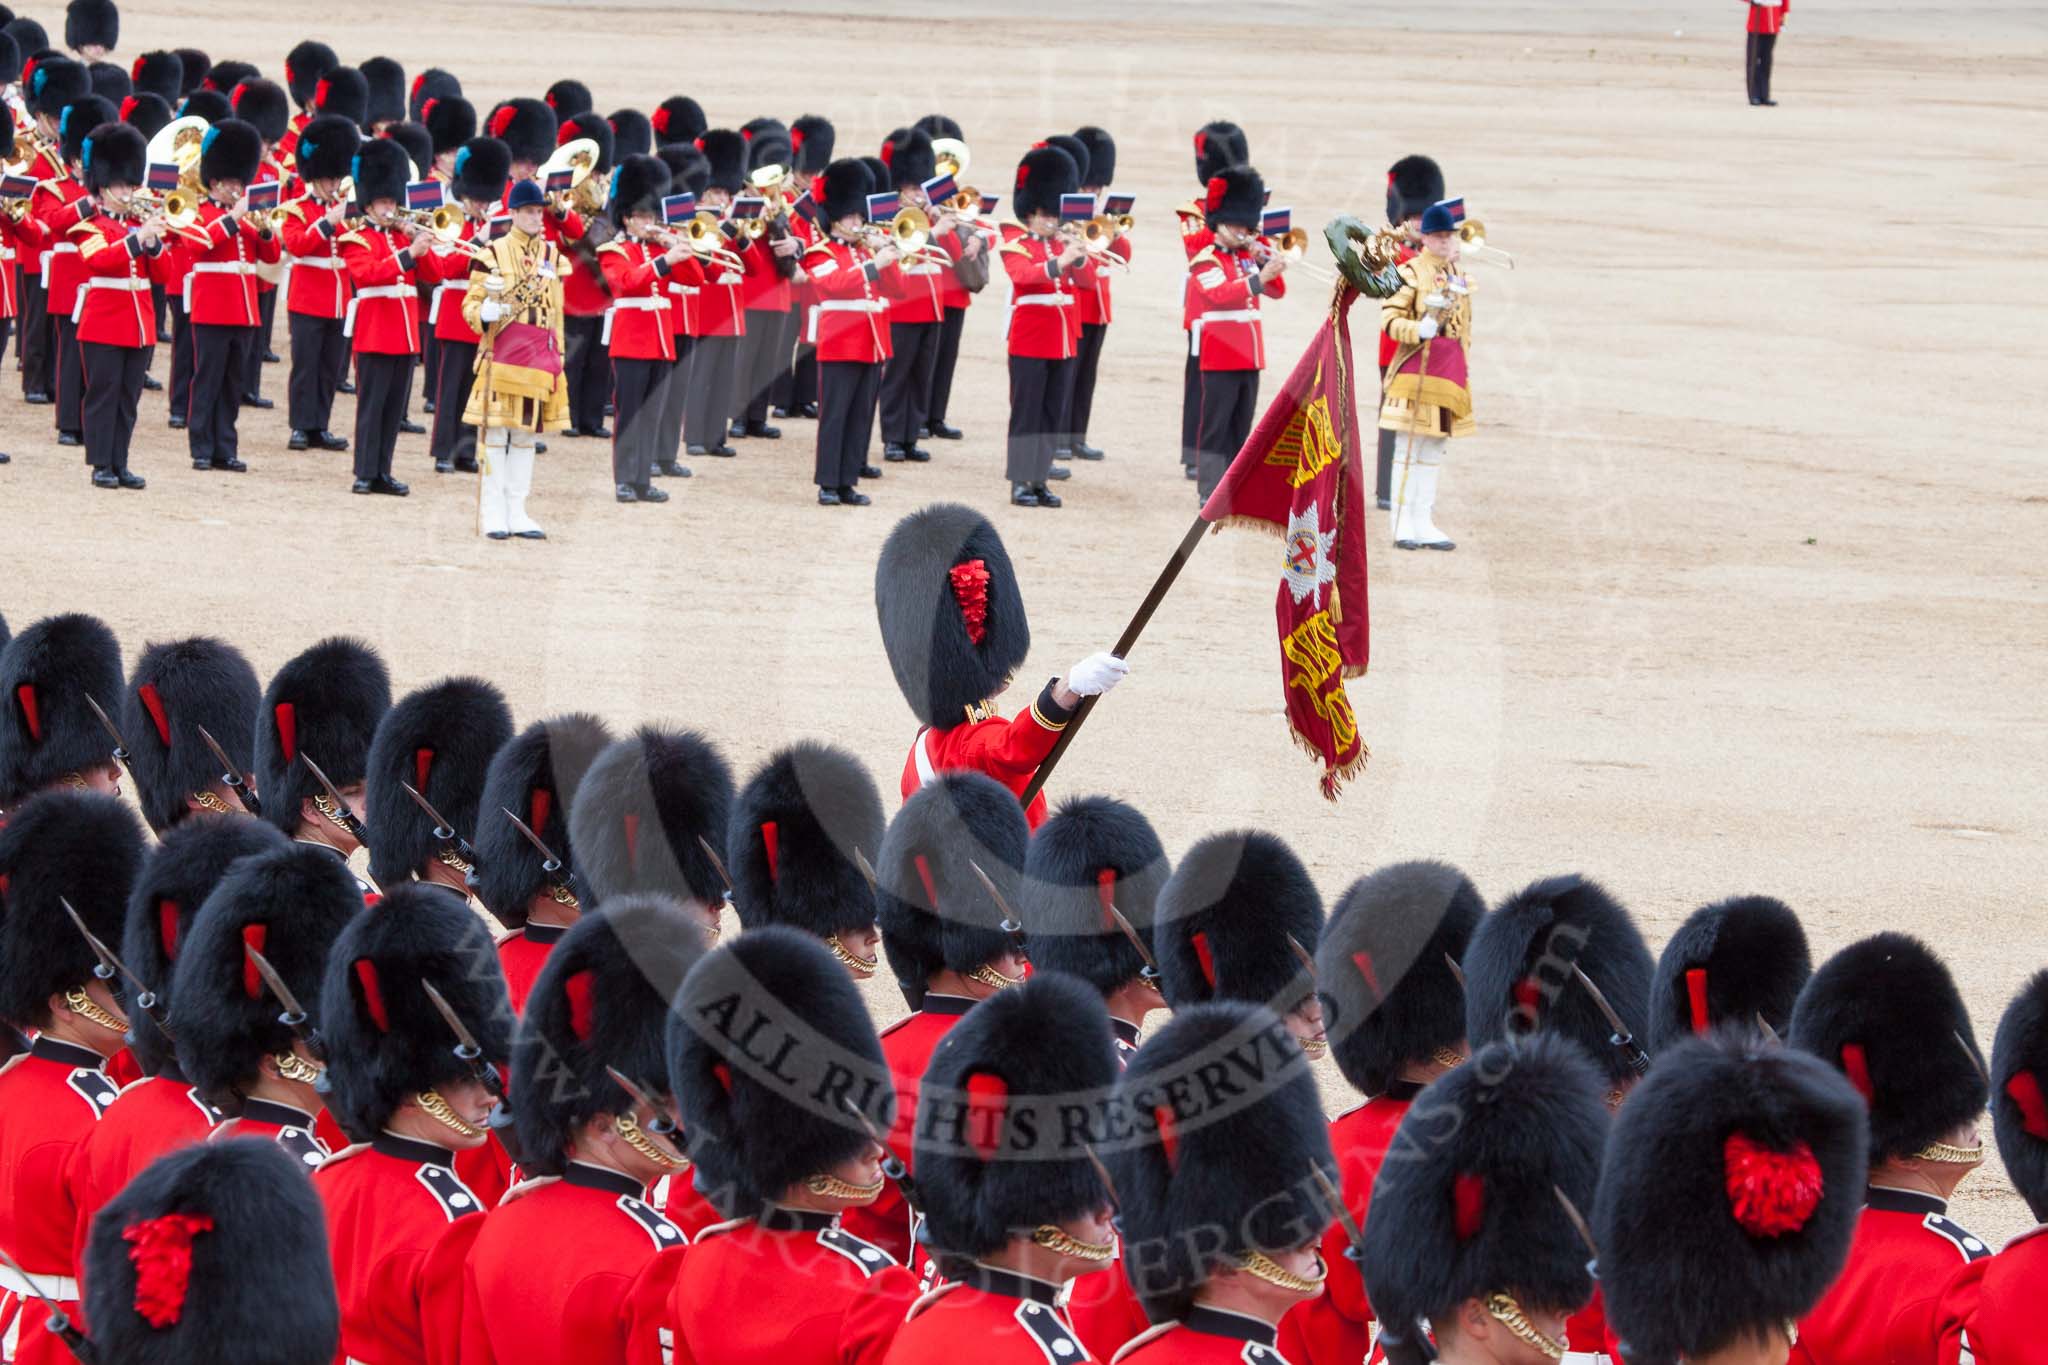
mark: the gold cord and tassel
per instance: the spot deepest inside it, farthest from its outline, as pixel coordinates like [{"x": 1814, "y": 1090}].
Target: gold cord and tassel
[
  {"x": 88, "y": 1009},
  {"x": 629, "y": 1131},
  {"x": 1949, "y": 1155},
  {"x": 1510, "y": 1315},
  {"x": 848, "y": 958},
  {"x": 1264, "y": 1267},
  {"x": 830, "y": 1186},
  {"x": 1063, "y": 1243},
  {"x": 995, "y": 980},
  {"x": 292, "y": 1067},
  {"x": 435, "y": 1107}
]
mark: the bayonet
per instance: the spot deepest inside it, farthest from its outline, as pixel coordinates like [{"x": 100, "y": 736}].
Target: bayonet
[
  {"x": 661, "y": 1122},
  {"x": 113, "y": 732},
  {"x": 1632, "y": 1052},
  {"x": 451, "y": 839},
  {"x": 1150, "y": 971},
  {"x": 893, "y": 1168},
  {"x": 1457, "y": 971},
  {"x": 1579, "y": 1224},
  {"x": 1301, "y": 955},
  {"x": 1102, "y": 1174},
  {"x": 550, "y": 864},
  {"x": 231, "y": 774},
  {"x": 1353, "y": 1234},
  {"x": 342, "y": 816},
  {"x": 1011, "y": 925},
  {"x": 466, "y": 1046},
  {"x": 111, "y": 965},
  {"x": 294, "y": 1016}
]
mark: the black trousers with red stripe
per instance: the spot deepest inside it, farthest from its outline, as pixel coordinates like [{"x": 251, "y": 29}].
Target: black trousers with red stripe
[
  {"x": 638, "y": 388},
  {"x": 847, "y": 391},
  {"x": 587, "y": 370},
  {"x": 70, "y": 377},
  {"x": 454, "y": 440},
  {"x": 112, "y": 383},
  {"x": 907, "y": 381},
  {"x": 942, "y": 368},
  {"x": 1230, "y": 403},
  {"x": 1190, "y": 410},
  {"x": 1037, "y": 388},
  {"x": 213, "y": 405},
  {"x": 382, "y": 382},
  {"x": 319, "y": 360}
]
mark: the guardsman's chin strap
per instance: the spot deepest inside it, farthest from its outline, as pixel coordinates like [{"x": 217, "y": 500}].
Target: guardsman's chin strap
[{"x": 436, "y": 1107}]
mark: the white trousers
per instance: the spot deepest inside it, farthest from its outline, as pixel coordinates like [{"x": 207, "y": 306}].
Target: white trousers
[
  {"x": 1418, "y": 464},
  {"x": 507, "y": 481}
]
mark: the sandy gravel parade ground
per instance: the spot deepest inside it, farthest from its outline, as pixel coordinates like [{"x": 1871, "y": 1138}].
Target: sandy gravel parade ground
[{"x": 1749, "y": 593}]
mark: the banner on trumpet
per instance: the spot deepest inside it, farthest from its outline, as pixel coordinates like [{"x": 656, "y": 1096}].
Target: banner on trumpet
[
  {"x": 560, "y": 181},
  {"x": 161, "y": 177},
  {"x": 1276, "y": 222},
  {"x": 1118, "y": 205},
  {"x": 20, "y": 186},
  {"x": 748, "y": 207},
  {"x": 883, "y": 207},
  {"x": 265, "y": 196},
  {"x": 424, "y": 196},
  {"x": 1076, "y": 208},
  {"x": 941, "y": 187},
  {"x": 678, "y": 208},
  {"x": 989, "y": 204}
]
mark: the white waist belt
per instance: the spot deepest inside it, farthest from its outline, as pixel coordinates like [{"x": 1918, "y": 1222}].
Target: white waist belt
[
  {"x": 638, "y": 304},
  {"x": 127, "y": 285},
  {"x": 840, "y": 306},
  {"x": 1043, "y": 300},
  {"x": 61, "y": 1288},
  {"x": 442, "y": 290},
  {"x": 1230, "y": 315},
  {"x": 376, "y": 291},
  {"x": 6, "y": 253},
  {"x": 71, "y": 247},
  {"x": 318, "y": 262},
  {"x": 918, "y": 270},
  {"x": 223, "y": 267},
  {"x": 686, "y": 290}
]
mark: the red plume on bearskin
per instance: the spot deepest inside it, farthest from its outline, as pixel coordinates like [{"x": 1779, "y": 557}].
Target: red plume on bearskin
[
  {"x": 2019, "y": 1100},
  {"x": 988, "y": 1103},
  {"x": 1094, "y": 854},
  {"x": 970, "y": 590},
  {"x": 797, "y": 825},
  {"x": 1735, "y": 961},
  {"x": 934, "y": 912},
  {"x": 1771, "y": 1193},
  {"x": 1468, "y": 1205},
  {"x": 161, "y": 1251}
]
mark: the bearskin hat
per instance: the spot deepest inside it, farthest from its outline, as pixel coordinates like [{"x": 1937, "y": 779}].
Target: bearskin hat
[
  {"x": 110, "y": 82},
  {"x": 632, "y": 134},
  {"x": 1387, "y": 969},
  {"x": 385, "y": 1040},
  {"x": 799, "y": 824},
  {"x": 878, "y": 173},
  {"x": 726, "y": 150},
  {"x": 80, "y": 117},
  {"x": 29, "y": 40},
  {"x": 450, "y": 121},
  {"x": 756, "y": 1132},
  {"x": 770, "y": 147},
  {"x": 1235, "y": 195},
  {"x": 214, "y": 1255},
  {"x": 431, "y": 85},
  {"x": 1732, "y": 1188},
  {"x": 594, "y": 127},
  {"x": 92, "y": 23},
  {"x": 115, "y": 154},
  {"x": 1736, "y": 961},
  {"x": 159, "y": 73},
  {"x": 601, "y": 1000},
  {"x": 1218, "y": 145},
  {"x": 1475, "y": 1212},
  {"x": 535, "y": 776},
  {"x": 290, "y": 905},
  {"x": 645, "y": 811},
  {"x": 1043, "y": 176},
  {"x": 991, "y": 1155},
  {"x": 1101, "y": 148},
  {"x": 385, "y": 80},
  {"x": 1885, "y": 1012},
  {"x": 1518, "y": 969},
  {"x": 231, "y": 150},
  {"x": 345, "y": 91},
  {"x": 939, "y": 125},
  {"x": 481, "y": 169},
  {"x": 843, "y": 188},
  {"x": 568, "y": 98},
  {"x": 951, "y": 613},
  {"x": 176, "y": 877},
  {"x": 526, "y": 126},
  {"x": 811, "y": 138},
  {"x": 146, "y": 114},
  {"x": 326, "y": 150},
  {"x": 54, "y": 83},
  {"x": 5, "y": 633},
  {"x": 418, "y": 144},
  {"x": 325, "y": 702},
  {"x": 1244, "y": 1167},
  {"x": 210, "y": 105},
  {"x": 1076, "y": 149},
  {"x": 678, "y": 119},
  {"x": 1413, "y": 184},
  {"x": 381, "y": 170},
  {"x": 81, "y": 847},
  {"x": 264, "y": 105},
  {"x": 1095, "y": 853},
  {"x": 2019, "y": 1093},
  {"x": 439, "y": 738},
  {"x": 1222, "y": 926},
  {"x": 304, "y": 66},
  {"x": 195, "y": 65},
  {"x": 907, "y": 153},
  {"x": 223, "y": 77},
  {"x": 687, "y": 168},
  {"x": 178, "y": 689},
  {"x": 10, "y": 72},
  {"x": 934, "y": 912},
  {"x": 47, "y": 728}
]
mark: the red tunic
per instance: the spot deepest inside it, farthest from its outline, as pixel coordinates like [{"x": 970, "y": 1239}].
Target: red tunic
[
  {"x": 639, "y": 326},
  {"x": 550, "y": 1275},
  {"x": 1990, "y": 1314},
  {"x": 60, "y": 204},
  {"x": 908, "y": 1045},
  {"x": 1905, "y": 1255},
  {"x": 764, "y": 290},
  {"x": 21, "y": 243},
  {"x": 847, "y": 316},
  {"x": 384, "y": 316},
  {"x": 522, "y": 953},
  {"x": 386, "y": 1204},
  {"x": 1209, "y": 1336},
  {"x": 451, "y": 269},
  {"x": 683, "y": 1204},
  {"x": 1092, "y": 305},
  {"x": 147, "y": 1119},
  {"x": 814, "y": 1293},
  {"x": 1043, "y": 323},
  {"x": 1228, "y": 334},
  {"x": 51, "y": 1098},
  {"x": 220, "y": 286},
  {"x": 114, "y": 306},
  {"x": 1007, "y": 750},
  {"x": 1334, "y": 1328},
  {"x": 293, "y": 1129},
  {"x": 721, "y": 311},
  {"x": 990, "y": 1317},
  {"x": 1768, "y": 16},
  {"x": 319, "y": 285}
]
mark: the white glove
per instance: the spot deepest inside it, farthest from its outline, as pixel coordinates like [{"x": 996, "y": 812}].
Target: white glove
[
  {"x": 492, "y": 310},
  {"x": 1096, "y": 674},
  {"x": 1426, "y": 328}
]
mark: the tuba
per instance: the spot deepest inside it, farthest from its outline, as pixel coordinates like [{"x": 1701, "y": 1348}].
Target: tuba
[
  {"x": 949, "y": 155},
  {"x": 178, "y": 143},
  {"x": 579, "y": 157}
]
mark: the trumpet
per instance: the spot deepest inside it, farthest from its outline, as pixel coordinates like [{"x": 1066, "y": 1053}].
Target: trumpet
[
  {"x": 179, "y": 208},
  {"x": 1472, "y": 240}
]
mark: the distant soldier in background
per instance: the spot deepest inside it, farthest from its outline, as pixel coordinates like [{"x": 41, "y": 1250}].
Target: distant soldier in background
[{"x": 1766, "y": 20}]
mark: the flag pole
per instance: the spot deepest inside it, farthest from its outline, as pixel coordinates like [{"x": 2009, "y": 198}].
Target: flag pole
[{"x": 1124, "y": 644}]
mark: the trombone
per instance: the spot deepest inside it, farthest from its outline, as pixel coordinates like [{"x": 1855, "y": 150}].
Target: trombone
[
  {"x": 1472, "y": 239},
  {"x": 179, "y": 208},
  {"x": 703, "y": 234},
  {"x": 1293, "y": 246},
  {"x": 1095, "y": 235},
  {"x": 910, "y": 232}
]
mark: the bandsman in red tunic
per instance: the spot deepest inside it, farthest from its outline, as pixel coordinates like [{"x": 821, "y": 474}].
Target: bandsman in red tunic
[
  {"x": 397, "y": 1081},
  {"x": 323, "y": 704},
  {"x": 847, "y": 326},
  {"x": 1230, "y": 277},
  {"x": 1222, "y": 1210},
  {"x": 450, "y": 123},
  {"x": 948, "y": 946},
  {"x": 214, "y": 1256},
  {"x": 1046, "y": 270},
  {"x": 586, "y": 294},
  {"x": 768, "y": 292},
  {"x": 953, "y": 624},
  {"x": 225, "y": 246},
  {"x": 386, "y": 257},
  {"x": 265, "y": 106},
  {"x": 304, "y": 67},
  {"x": 1093, "y": 309},
  {"x": 535, "y": 776},
  {"x": 1395, "y": 1014},
  {"x": 1766, "y": 22},
  {"x": 812, "y": 140},
  {"x": 789, "y": 1158},
  {"x": 1885, "y": 1012},
  {"x": 1218, "y": 145},
  {"x": 49, "y": 85},
  {"x": 639, "y": 335},
  {"x": 85, "y": 848},
  {"x": 1473, "y": 1257},
  {"x": 317, "y": 302},
  {"x": 63, "y": 205},
  {"x": 918, "y": 309},
  {"x": 289, "y": 905},
  {"x": 554, "y": 1272},
  {"x": 800, "y": 826},
  {"x": 688, "y": 173},
  {"x": 178, "y": 688},
  {"x": 123, "y": 254},
  {"x": 21, "y": 239},
  {"x": 49, "y": 736},
  {"x": 479, "y": 175},
  {"x": 972, "y": 245},
  {"x": 1413, "y": 184},
  {"x": 721, "y": 308},
  {"x": 164, "y": 1109},
  {"x": 1730, "y": 1192},
  {"x": 1015, "y": 1204}
]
